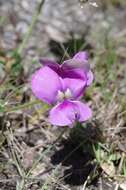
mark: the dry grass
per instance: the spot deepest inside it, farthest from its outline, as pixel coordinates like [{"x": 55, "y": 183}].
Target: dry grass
[{"x": 37, "y": 156}]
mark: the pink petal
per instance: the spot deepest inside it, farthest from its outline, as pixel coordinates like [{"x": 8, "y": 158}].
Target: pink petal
[
  {"x": 90, "y": 78},
  {"x": 62, "y": 114},
  {"x": 52, "y": 64},
  {"x": 82, "y": 56},
  {"x": 67, "y": 112},
  {"x": 45, "y": 84},
  {"x": 84, "y": 111},
  {"x": 73, "y": 68},
  {"x": 76, "y": 86},
  {"x": 77, "y": 67}
]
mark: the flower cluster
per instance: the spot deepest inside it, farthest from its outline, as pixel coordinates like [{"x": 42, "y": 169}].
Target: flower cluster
[{"x": 63, "y": 86}]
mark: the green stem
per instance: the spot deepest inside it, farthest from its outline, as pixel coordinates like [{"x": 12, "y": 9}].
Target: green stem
[
  {"x": 44, "y": 153},
  {"x": 29, "y": 32},
  {"x": 23, "y": 106}
]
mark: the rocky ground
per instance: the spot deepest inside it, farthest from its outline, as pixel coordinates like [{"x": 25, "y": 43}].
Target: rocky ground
[{"x": 33, "y": 154}]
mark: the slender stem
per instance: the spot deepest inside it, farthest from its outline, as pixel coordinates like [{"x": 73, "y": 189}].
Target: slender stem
[
  {"x": 23, "y": 106},
  {"x": 44, "y": 153},
  {"x": 33, "y": 22}
]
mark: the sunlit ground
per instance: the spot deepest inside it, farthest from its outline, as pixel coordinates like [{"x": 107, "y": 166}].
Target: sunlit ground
[{"x": 34, "y": 155}]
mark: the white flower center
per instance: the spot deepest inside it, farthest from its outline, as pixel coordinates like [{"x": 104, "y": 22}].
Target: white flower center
[
  {"x": 68, "y": 93},
  {"x": 64, "y": 95},
  {"x": 60, "y": 95}
]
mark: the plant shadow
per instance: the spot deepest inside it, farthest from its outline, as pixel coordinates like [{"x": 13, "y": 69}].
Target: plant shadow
[
  {"x": 70, "y": 47},
  {"x": 76, "y": 154}
]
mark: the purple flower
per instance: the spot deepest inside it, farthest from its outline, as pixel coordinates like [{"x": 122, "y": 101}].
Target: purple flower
[{"x": 63, "y": 85}]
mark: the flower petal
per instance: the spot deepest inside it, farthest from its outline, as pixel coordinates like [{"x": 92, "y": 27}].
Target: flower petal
[
  {"x": 90, "y": 78},
  {"x": 62, "y": 114},
  {"x": 73, "y": 68},
  {"x": 82, "y": 56},
  {"x": 45, "y": 84},
  {"x": 77, "y": 67},
  {"x": 76, "y": 86},
  {"x": 52, "y": 64},
  {"x": 67, "y": 112},
  {"x": 84, "y": 111}
]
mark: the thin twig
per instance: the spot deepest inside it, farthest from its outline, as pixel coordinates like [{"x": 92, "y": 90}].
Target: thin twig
[
  {"x": 121, "y": 163},
  {"x": 23, "y": 106},
  {"x": 33, "y": 22}
]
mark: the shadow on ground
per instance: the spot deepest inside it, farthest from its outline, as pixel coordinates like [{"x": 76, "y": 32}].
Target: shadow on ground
[
  {"x": 71, "y": 47},
  {"x": 76, "y": 156}
]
